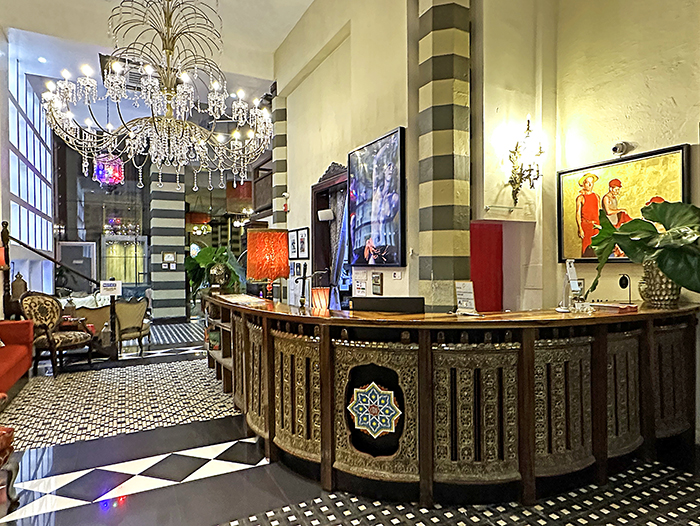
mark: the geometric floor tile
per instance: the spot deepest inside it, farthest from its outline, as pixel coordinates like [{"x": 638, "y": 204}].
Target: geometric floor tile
[
  {"x": 136, "y": 484},
  {"x": 51, "y": 484},
  {"x": 643, "y": 495},
  {"x": 134, "y": 467},
  {"x": 243, "y": 453},
  {"x": 208, "y": 452},
  {"x": 45, "y": 504},
  {"x": 92, "y": 485},
  {"x": 175, "y": 467},
  {"x": 107, "y": 483},
  {"x": 107, "y": 402}
]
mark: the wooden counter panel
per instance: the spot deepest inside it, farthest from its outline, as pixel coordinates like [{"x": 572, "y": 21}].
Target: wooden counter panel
[
  {"x": 494, "y": 399},
  {"x": 511, "y": 320}
]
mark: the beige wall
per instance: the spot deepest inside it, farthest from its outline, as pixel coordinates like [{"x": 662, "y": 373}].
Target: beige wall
[
  {"x": 515, "y": 75},
  {"x": 344, "y": 72},
  {"x": 626, "y": 71}
]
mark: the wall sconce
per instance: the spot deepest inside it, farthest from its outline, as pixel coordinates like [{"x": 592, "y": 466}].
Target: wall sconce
[{"x": 525, "y": 160}]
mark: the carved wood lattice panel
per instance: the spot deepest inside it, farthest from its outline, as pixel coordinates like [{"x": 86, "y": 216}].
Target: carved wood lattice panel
[
  {"x": 297, "y": 395},
  {"x": 668, "y": 369},
  {"x": 403, "y": 359},
  {"x": 563, "y": 441},
  {"x": 476, "y": 412},
  {"x": 257, "y": 383},
  {"x": 624, "y": 432}
]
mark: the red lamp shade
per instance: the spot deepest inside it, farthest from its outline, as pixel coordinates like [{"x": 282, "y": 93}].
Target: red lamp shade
[{"x": 268, "y": 254}]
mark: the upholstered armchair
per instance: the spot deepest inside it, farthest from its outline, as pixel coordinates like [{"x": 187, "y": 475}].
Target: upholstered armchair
[
  {"x": 45, "y": 311},
  {"x": 131, "y": 321}
]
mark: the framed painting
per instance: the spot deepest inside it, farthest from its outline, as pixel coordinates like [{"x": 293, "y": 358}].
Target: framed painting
[
  {"x": 293, "y": 245},
  {"x": 376, "y": 211},
  {"x": 303, "y": 242},
  {"x": 621, "y": 187}
]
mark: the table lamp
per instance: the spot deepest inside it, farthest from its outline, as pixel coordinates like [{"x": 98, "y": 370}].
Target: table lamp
[{"x": 268, "y": 255}]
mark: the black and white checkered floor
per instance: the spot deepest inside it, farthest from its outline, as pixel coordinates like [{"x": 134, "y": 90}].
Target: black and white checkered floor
[
  {"x": 106, "y": 402},
  {"x": 110, "y": 485},
  {"x": 644, "y": 495}
]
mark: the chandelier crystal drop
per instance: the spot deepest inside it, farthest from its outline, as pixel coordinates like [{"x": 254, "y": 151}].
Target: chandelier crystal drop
[{"x": 171, "y": 50}]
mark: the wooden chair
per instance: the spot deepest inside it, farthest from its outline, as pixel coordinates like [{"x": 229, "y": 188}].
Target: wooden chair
[
  {"x": 131, "y": 322},
  {"x": 45, "y": 311}
]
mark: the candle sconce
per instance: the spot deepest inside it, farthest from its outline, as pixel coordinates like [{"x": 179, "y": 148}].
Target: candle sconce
[{"x": 525, "y": 160}]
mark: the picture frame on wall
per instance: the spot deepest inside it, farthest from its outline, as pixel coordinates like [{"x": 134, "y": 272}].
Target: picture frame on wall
[
  {"x": 621, "y": 187},
  {"x": 303, "y": 242},
  {"x": 293, "y": 245},
  {"x": 376, "y": 202}
]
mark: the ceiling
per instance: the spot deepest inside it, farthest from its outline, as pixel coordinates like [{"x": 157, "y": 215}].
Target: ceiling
[{"x": 252, "y": 30}]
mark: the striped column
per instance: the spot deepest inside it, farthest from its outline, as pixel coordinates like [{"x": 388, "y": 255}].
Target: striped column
[
  {"x": 279, "y": 161},
  {"x": 444, "y": 150},
  {"x": 167, "y": 235}
]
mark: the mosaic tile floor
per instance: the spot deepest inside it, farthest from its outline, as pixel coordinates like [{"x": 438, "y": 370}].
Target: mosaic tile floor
[
  {"x": 645, "y": 494},
  {"x": 101, "y": 403},
  {"x": 177, "y": 334}
]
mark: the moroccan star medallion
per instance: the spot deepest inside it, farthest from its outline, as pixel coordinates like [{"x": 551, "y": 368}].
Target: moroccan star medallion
[{"x": 374, "y": 410}]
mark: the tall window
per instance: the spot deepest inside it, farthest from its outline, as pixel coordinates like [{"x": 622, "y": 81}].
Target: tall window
[{"x": 31, "y": 178}]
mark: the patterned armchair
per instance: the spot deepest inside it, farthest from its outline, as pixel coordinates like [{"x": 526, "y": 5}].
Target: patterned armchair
[
  {"x": 45, "y": 311},
  {"x": 131, "y": 321}
]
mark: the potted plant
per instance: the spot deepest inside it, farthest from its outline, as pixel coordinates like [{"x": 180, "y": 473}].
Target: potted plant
[
  {"x": 670, "y": 255},
  {"x": 216, "y": 266}
]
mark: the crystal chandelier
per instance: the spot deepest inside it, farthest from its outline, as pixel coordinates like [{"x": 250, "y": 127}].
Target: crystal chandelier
[{"x": 172, "y": 53}]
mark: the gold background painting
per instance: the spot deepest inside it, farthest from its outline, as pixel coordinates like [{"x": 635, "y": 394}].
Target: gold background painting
[{"x": 642, "y": 179}]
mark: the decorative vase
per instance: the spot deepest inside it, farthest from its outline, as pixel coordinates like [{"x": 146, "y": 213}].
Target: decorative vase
[
  {"x": 656, "y": 289},
  {"x": 219, "y": 274}
]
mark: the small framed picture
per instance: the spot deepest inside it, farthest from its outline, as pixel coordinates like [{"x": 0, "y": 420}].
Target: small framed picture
[
  {"x": 291, "y": 270},
  {"x": 169, "y": 257},
  {"x": 293, "y": 245},
  {"x": 303, "y": 241},
  {"x": 298, "y": 269}
]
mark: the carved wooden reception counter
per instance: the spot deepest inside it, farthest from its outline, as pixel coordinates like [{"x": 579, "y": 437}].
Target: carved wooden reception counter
[{"x": 438, "y": 403}]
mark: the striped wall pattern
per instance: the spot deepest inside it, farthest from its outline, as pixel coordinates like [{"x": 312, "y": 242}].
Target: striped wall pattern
[
  {"x": 167, "y": 235},
  {"x": 279, "y": 161},
  {"x": 444, "y": 150}
]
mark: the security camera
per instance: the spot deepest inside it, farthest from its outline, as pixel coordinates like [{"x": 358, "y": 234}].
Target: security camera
[{"x": 621, "y": 148}]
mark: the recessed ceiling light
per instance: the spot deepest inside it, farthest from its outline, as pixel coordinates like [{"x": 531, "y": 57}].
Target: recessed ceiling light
[{"x": 42, "y": 60}]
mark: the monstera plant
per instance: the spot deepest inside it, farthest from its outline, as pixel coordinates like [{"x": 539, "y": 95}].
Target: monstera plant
[{"x": 668, "y": 238}]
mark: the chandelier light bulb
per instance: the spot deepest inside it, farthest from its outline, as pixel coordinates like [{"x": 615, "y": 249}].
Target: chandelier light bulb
[
  {"x": 88, "y": 123},
  {"x": 87, "y": 70},
  {"x": 236, "y": 135},
  {"x": 266, "y": 113},
  {"x": 65, "y": 74},
  {"x": 42, "y": 60},
  {"x": 240, "y": 94},
  {"x": 185, "y": 77},
  {"x": 221, "y": 138},
  {"x": 69, "y": 115},
  {"x": 148, "y": 69},
  {"x": 256, "y": 102},
  {"x": 109, "y": 126},
  {"x": 51, "y": 86},
  {"x": 215, "y": 85},
  {"x": 117, "y": 67},
  {"x": 251, "y": 134}
]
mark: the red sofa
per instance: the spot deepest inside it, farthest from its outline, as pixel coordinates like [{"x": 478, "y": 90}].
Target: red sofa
[{"x": 16, "y": 355}]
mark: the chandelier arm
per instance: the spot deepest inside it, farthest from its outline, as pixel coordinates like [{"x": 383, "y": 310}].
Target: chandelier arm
[
  {"x": 94, "y": 119},
  {"x": 121, "y": 118},
  {"x": 197, "y": 43}
]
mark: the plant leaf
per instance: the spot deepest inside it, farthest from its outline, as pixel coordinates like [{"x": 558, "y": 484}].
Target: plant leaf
[
  {"x": 680, "y": 265},
  {"x": 672, "y": 215},
  {"x": 205, "y": 256},
  {"x": 603, "y": 244}
]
